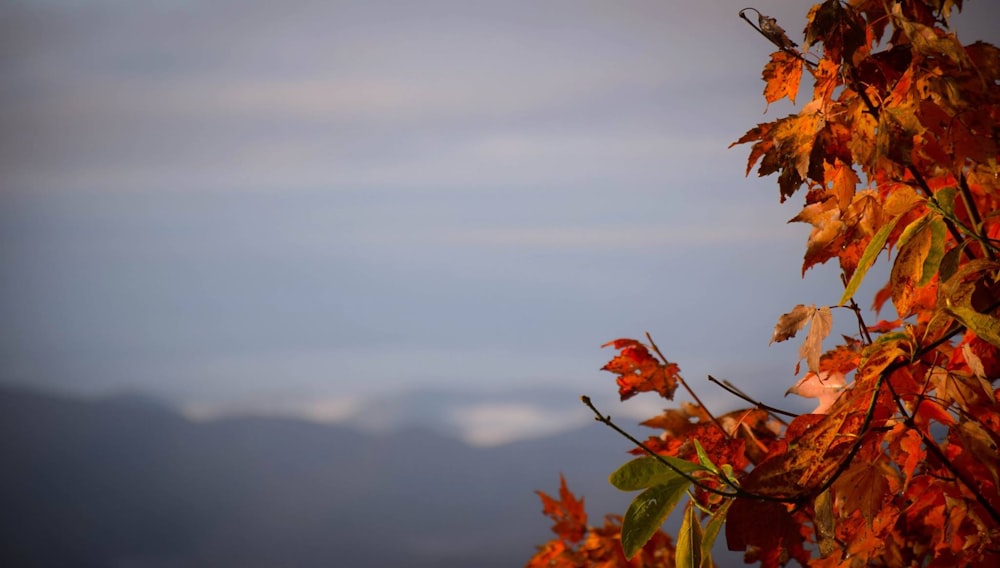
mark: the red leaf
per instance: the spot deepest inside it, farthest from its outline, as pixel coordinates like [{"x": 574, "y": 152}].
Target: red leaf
[{"x": 638, "y": 371}]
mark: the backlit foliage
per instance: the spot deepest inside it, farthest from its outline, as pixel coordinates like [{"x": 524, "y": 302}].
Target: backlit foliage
[{"x": 895, "y": 155}]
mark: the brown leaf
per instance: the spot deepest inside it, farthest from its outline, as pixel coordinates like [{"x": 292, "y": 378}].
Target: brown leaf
[
  {"x": 774, "y": 32},
  {"x": 820, "y": 323},
  {"x": 789, "y": 324}
]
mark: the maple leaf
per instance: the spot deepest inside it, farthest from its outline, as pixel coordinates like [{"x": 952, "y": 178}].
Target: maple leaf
[
  {"x": 638, "y": 371},
  {"x": 866, "y": 485},
  {"x": 782, "y": 76},
  {"x": 907, "y": 444},
  {"x": 825, "y": 217},
  {"x": 567, "y": 512},
  {"x": 819, "y": 320},
  {"x": 824, "y": 386}
]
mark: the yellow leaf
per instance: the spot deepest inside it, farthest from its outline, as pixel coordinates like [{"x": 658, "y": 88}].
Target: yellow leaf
[{"x": 907, "y": 271}]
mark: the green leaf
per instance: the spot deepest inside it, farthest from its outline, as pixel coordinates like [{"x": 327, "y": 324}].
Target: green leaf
[
  {"x": 648, "y": 511},
  {"x": 727, "y": 471},
  {"x": 888, "y": 338},
  {"x": 944, "y": 202},
  {"x": 703, "y": 457},
  {"x": 648, "y": 471},
  {"x": 868, "y": 258},
  {"x": 934, "y": 256},
  {"x": 689, "y": 542},
  {"x": 712, "y": 530}
]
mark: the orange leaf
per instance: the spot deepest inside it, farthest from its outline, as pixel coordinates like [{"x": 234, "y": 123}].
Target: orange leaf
[
  {"x": 827, "y": 224},
  {"x": 568, "y": 514},
  {"x": 782, "y": 76}
]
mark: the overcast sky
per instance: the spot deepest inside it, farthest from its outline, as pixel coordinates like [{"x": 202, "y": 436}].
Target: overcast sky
[{"x": 235, "y": 201}]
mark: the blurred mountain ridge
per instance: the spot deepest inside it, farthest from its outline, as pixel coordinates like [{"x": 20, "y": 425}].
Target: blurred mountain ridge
[{"x": 127, "y": 481}]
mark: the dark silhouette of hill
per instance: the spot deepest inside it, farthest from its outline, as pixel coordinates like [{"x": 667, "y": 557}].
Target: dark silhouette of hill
[{"x": 126, "y": 482}]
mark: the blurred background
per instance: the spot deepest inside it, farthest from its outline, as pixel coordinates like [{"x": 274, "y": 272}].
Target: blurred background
[{"x": 320, "y": 282}]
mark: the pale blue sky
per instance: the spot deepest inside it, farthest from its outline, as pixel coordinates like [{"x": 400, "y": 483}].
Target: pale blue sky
[{"x": 236, "y": 201}]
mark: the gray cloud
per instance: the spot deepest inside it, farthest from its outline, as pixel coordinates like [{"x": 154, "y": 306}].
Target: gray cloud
[{"x": 227, "y": 199}]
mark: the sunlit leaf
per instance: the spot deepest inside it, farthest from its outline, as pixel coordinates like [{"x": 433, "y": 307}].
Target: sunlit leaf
[
  {"x": 935, "y": 253},
  {"x": 907, "y": 270},
  {"x": 824, "y": 386},
  {"x": 782, "y": 76}
]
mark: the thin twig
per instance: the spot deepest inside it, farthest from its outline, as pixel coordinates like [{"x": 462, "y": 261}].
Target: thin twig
[
  {"x": 689, "y": 390},
  {"x": 731, "y": 389},
  {"x": 862, "y": 327},
  {"x": 770, "y": 39}
]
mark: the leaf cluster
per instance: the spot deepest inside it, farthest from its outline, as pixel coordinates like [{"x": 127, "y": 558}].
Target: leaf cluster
[{"x": 896, "y": 158}]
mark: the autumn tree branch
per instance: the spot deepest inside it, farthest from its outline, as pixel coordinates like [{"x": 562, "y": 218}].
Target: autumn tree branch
[
  {"x": 933, "y": 447},
  {"x": 736, "y": 491},
  {"x": 769, "y": 28}
]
